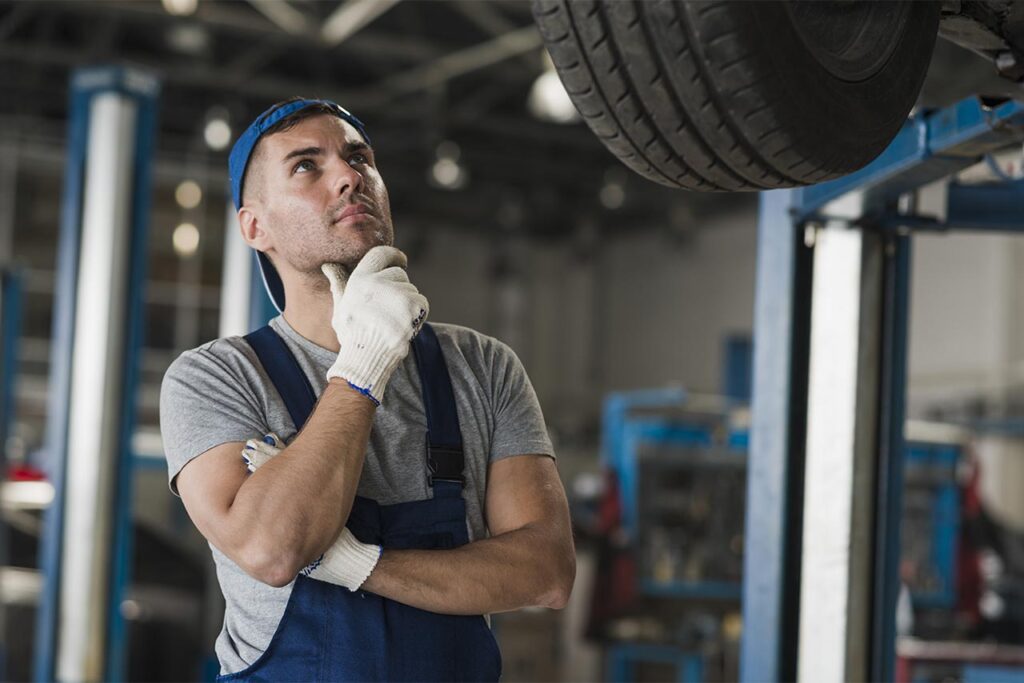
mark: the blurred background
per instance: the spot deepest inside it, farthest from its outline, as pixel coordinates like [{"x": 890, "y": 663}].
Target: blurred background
[{"x": 630, "y": 304}]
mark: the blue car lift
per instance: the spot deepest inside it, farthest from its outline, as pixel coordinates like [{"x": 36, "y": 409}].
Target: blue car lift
[{"x": 830, "y": 335}]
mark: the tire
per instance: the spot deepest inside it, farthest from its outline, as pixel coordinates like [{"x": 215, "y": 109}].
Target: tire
[{"x": 741, "y": 96}]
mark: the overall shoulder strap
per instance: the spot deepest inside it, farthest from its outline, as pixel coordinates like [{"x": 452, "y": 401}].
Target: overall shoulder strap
[
  {"x": 444, "y": 440},
  {"x": 285, "y": 373}
]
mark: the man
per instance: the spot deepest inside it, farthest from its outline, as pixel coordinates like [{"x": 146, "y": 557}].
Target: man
[{"x": 362, "y": 537}]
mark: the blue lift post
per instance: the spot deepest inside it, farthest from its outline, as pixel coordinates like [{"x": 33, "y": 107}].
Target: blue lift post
[
  {"x": 142, "y": 90},
  {"x": 771, "y": 562},
  {"x": 932, "y": 145},
  {"x": 10, "y": 334}
]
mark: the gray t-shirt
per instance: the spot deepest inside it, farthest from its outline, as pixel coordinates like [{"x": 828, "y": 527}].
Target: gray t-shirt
[{"x": 219, "y": 393}]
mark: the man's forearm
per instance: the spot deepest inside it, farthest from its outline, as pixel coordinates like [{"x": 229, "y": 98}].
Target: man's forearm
[
  {"x": 300, "y": 500},
  {"x": 522, "y": 568}
]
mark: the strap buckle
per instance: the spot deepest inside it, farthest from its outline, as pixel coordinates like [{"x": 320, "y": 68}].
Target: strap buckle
[{"x": 445, "y": 463}]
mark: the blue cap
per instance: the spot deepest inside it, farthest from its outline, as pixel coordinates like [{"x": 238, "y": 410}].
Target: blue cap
[{"x": 238, "y": 160}]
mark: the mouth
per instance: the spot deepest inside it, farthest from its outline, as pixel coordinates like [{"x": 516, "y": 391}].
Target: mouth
[{"x": 353, "y": 211}]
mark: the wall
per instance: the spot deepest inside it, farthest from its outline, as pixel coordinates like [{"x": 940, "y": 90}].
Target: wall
[
  {"x": 637, "y": 309},
  {"x": 967, "y": 320}
]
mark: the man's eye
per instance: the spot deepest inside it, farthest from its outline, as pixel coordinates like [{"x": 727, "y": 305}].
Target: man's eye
[
  {"x": 303, "y": 166},
  {"x": 358, "y": 158}
]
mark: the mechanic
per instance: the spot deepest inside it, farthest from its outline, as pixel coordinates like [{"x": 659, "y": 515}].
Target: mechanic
[{"x": 365, "y": 505}]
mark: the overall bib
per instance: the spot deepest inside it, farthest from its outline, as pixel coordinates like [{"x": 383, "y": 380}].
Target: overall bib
[{"x": 328, "y": 633}]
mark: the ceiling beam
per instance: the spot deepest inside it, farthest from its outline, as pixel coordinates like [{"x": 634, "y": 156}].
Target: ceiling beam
[
  {"x": 486, "y": 17},
  {"x": 351, "y": 17},
  {"x": 283, "y": 15},
  {"x": 238, "y": 19},
  {"x": 453, "y": 65}
]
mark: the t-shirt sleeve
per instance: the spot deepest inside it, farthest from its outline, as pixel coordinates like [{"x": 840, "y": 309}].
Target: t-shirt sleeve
[
  {"x": 519, "y": 427},
  {"x": 204, "y": 402}
]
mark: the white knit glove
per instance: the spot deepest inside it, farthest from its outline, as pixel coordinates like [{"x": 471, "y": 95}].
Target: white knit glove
[
  {"x": 256, "y": 453},
  {"x": 377, "y": 312},
  {"x": 348, "y": 562}
]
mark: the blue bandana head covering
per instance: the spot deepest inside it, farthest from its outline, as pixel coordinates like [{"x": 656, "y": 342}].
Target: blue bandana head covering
[{"x": 238, "y": 160}]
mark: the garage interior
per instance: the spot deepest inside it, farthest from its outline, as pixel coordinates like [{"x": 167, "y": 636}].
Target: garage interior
[{"x": 790, "y": 423}]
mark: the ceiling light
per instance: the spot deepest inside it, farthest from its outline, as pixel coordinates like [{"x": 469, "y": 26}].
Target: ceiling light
[
  {"x": 188, "y": 194},
  {"x": 446, "y": 171},
  {"x": 186, "y": 240},
  {"x": 26, "y": 495},
  {"x": 180, "y": 8},
  {"x": 217, "y": 133},
  {"x": 548, "y": 100}
]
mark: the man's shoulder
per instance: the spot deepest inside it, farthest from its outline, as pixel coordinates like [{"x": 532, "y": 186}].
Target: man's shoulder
[
  {"x": 473, "y": 345},
  {"x": 460, "y": 333},
  {"x": 473, "y": 354},
  {"x": 222, "y": 355},
  {"x": 463, "y": 336}
]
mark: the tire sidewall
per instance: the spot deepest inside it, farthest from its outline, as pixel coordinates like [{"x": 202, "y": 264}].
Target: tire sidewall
[{"x": 827, "y": 110}]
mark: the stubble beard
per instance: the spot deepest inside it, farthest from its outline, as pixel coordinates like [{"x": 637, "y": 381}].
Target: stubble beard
[{"x": 330, "y": 248}]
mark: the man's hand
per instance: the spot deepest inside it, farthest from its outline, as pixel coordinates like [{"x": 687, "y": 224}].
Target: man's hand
[
  {"x": 257, "y": 453},
  {"x": 348, "y": 562},
  {"x": 377, "y": 312}
]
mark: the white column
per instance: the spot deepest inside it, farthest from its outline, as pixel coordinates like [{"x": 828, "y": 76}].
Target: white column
[
  {"x": 236, "y": 285},
  {"x": 835, "y": 598},
  {"x": 96, "y": 387}
]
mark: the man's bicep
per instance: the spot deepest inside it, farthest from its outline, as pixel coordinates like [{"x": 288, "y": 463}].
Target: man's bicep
[
  {"x": 206, "y": 401},
  {"x": 525, "y": 490},
  {"x": 208, "y": 484}
]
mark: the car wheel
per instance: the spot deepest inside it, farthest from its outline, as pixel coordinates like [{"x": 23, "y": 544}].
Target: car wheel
[{"x": 731, "y": 96}]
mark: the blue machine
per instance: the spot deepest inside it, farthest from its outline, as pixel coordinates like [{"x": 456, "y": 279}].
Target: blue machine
[
  {"x": 624, "y": 659},
  {"x": 656, "y": 422},
  {"x": 632, "y": 423},
  {"x": 931, "y": 521}
]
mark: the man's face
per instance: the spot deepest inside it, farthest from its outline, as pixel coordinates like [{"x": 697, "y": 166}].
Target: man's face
[{"x": 319, "y": 196}]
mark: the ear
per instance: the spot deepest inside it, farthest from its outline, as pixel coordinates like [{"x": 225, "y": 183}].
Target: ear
[{"x": 252, "y": 232}]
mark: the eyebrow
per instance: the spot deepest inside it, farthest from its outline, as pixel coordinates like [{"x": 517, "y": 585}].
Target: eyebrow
[{"x": 350, "y": 147}]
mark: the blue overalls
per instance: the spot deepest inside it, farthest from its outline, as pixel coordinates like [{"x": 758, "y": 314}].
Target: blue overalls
[{"x": 328, "y": 633}]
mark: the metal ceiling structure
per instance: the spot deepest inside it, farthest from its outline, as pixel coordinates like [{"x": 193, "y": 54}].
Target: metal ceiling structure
[{"x": 418, "y": 73}]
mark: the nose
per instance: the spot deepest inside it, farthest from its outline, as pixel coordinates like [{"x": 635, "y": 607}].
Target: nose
[{"x": 347, "y": 179}]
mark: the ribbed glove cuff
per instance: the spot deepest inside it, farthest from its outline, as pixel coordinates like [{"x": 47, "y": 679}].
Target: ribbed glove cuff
[
  {"x": 347, "y": 563},
  {"x": 366, "y": 362}
]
